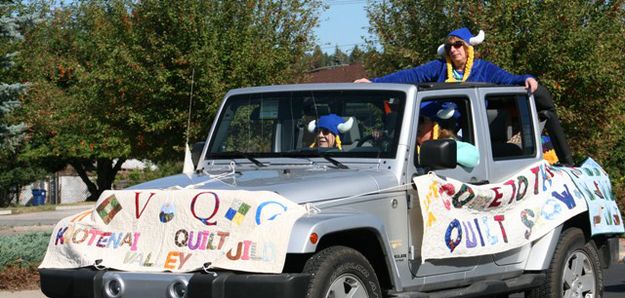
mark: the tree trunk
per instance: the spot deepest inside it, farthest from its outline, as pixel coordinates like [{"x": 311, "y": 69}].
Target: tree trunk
[{"x": 106, "y": 170}]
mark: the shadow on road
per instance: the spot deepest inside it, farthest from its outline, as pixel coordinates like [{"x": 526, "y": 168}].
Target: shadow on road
[{"x": 616, "y": 289}]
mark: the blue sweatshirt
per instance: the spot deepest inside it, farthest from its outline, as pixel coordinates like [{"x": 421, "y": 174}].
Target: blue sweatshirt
[{"x": 435, "y": 71}]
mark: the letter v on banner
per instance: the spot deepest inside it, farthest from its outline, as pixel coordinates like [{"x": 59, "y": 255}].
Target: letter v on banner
[{"x": 137, "y": 213}]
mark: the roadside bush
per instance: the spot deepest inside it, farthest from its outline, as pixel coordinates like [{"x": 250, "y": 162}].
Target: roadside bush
[
  {"x": 23, "y": 250},
  {"x": 136, "y": 176}
]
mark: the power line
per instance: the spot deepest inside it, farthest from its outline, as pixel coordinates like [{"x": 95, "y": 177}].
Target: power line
[
  {"x": 345, "y": 2},
  {"x": 343, "y": 45},
  {"x": 328, "y": 45}
]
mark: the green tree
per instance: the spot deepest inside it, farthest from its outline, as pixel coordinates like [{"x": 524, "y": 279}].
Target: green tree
[
  {"x": 10, "y": 132},
  {"x": 339, "y": 57},
  {"x": 111, "y": 79},
  {"x": 318, "y": 58},
  {"x": 573, "y": 47},
  {"x": 14, "y": 173},
  {"x": 356, "y": 55}
]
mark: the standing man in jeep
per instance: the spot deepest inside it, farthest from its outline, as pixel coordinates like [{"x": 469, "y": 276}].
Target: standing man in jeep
[{"x": 459, "y": 65}]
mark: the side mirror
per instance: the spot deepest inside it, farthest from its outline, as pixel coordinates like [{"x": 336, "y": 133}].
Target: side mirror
[
  {"x": 438, "y": 154},
  {"x": 196, "y": 151}
]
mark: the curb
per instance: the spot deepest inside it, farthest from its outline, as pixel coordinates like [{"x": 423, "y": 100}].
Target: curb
[
  {"x": 74, "y": 207},
  {"x": 57, "y": 208}
]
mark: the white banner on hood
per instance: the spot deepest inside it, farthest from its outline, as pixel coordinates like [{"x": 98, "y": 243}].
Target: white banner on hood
[
  {"x": 177, "y": 231},
  {"x": 462, "y": 220}
]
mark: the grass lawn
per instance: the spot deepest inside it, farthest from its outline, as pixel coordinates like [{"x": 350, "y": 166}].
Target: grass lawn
[
  {"x": 46, "y": 207},
  {"x": 28, "y": 209}
]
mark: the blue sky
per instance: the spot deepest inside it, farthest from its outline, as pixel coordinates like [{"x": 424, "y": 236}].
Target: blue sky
[{"x": 344, "y": 23}]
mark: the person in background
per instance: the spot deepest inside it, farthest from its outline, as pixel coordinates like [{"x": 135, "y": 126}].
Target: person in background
[
  {"x": 458, "y": 64},
  {"x": 437, "y": 120}
]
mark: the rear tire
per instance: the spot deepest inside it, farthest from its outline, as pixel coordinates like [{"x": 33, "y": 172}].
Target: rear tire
[
  {"x": 340, "y": 271},
  {"x": 575, "y": 270}
]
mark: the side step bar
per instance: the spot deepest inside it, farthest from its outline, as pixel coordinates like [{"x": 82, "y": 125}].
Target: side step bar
[{"x": 484, "y": 287}]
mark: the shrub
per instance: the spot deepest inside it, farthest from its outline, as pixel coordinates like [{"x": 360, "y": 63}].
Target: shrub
[
  {"x": 23, "y": 250},
  {"x": 136, "y": 176}
]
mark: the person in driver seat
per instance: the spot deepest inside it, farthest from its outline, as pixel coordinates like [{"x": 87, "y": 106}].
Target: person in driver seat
[
  {"x": 328, "y": 131},
  {"x": 438, "y": 120}
]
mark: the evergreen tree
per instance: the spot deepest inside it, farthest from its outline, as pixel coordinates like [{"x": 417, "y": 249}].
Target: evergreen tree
[
  {"x": 356, "y": 55},
  {"x": 318, "y": 58},
  {"x": 14, "y": 172},
  {"x": 339, "y": 57},
  {"x": 10, "y": 133}
]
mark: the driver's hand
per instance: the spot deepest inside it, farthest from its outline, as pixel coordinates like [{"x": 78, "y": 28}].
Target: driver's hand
[{"x": 377, "y": 134}]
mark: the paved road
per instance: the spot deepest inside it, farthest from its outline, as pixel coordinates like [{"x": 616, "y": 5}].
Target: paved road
[
  {"x": 614, "y": 283},
  {"x": 37, "y": 218},
  {"x": 22, "y": 294}
]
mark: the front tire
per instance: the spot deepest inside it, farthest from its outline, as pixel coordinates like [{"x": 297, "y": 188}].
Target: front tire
[
  {"x": 340, "y": 271},
  {"x": 575, "y": 270}
]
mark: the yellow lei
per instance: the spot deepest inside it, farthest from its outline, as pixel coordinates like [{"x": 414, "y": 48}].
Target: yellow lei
[{"x": 467, "y": 67}]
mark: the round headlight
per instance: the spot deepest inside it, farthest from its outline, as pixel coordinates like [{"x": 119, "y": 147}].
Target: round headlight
[
  {"x": 178, "y": 289},
  {"x": 114, "y": 288}
]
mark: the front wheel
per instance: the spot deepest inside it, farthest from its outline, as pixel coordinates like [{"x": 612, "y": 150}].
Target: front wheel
[
  {"x": 340, "y": 271},
  {"x": 575, "y": 270}
]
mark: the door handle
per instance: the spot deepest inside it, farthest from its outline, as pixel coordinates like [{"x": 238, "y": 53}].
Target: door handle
[{"x": 481, "y": 182}]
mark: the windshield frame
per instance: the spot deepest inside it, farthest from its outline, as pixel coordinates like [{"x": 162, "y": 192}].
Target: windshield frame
[{"x": 397, "y": 91}]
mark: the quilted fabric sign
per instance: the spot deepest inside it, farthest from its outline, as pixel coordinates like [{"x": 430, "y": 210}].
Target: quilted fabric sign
[
  {"x": 178, "y": 231},
  {"x": 463, "y": 220},
  {"x": 594, "y": 184}
]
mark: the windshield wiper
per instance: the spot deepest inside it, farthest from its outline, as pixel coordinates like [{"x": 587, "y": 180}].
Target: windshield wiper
[
  {"x": 254, "y": 160},
  {"x": 315, "y": 153},
  {"x": 238, "y": 154},
  {"x": 335, "y": 162}
]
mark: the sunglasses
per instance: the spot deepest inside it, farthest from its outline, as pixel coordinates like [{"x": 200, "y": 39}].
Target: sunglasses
[
  {"x": 324, "y": 131},
  {"x": 456, "y": 45}
]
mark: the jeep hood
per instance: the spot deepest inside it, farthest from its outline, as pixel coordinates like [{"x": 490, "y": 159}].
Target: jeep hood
[{"x": 299, "y": 185}]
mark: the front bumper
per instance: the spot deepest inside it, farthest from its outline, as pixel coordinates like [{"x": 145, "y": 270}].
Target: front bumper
[{"x": 87, "y": 282}]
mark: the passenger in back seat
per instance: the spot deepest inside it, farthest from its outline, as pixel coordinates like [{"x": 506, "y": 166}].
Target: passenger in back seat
[{"x": 437, "y": 120}]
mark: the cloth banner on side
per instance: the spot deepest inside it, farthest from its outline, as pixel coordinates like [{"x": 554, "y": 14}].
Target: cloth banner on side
[
  {"x": 593, "y": 182},
  {"x": 462, "y": 220},
  {"x": 177, "y": 231}
]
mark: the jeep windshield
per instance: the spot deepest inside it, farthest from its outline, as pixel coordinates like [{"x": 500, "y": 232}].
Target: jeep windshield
[{"x": 358, "y": 123}]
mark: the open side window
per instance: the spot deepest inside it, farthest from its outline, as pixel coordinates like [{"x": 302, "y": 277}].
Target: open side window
[
  {"x": 510, "y": 126},
  {"x": 462, "y": 128}
]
